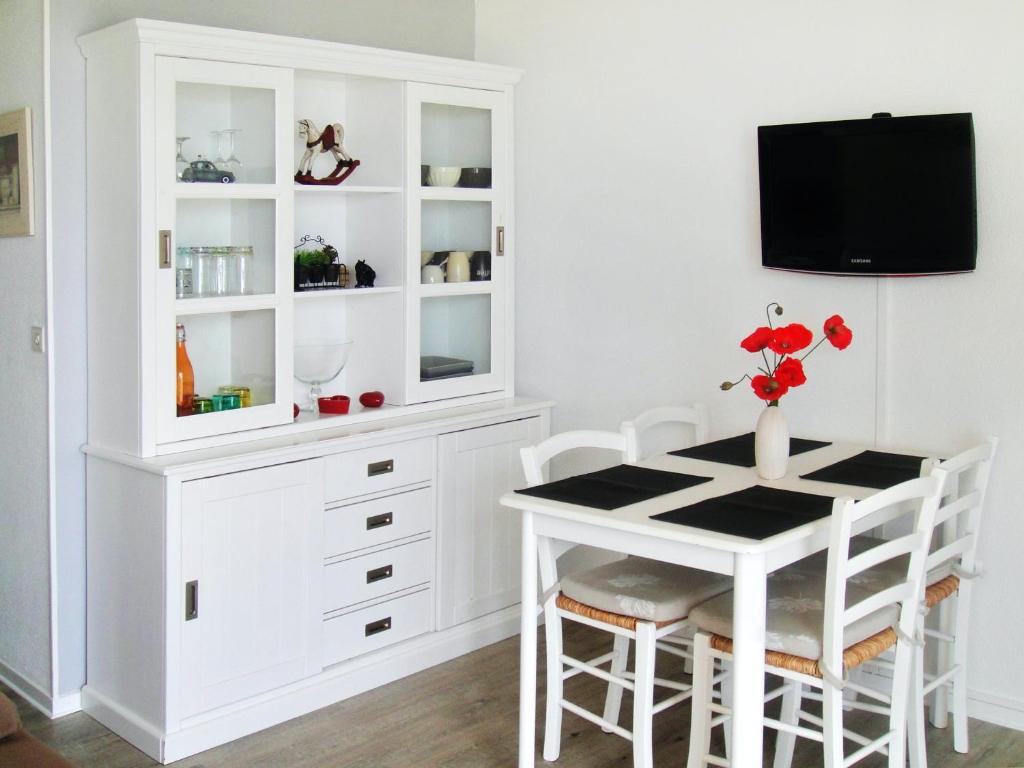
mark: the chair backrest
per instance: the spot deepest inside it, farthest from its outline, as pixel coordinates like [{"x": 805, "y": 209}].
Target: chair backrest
[
  {"x": 958, "y": 517},
  {"x": 918, "y": 498},
  {"x": 696, "y": 415},
  {"x": 536, "y": 456}
]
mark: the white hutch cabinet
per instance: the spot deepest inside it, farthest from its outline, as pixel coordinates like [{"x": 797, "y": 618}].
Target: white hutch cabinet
[{"x": 245, "y": 567}]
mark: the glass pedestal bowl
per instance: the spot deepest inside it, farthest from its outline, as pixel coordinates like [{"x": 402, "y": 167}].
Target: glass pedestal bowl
[{"x": 319, "y": 361}]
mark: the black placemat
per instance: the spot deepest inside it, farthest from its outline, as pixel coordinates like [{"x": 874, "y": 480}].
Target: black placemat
[
  {"x": 870, "y": 469},
  {"x": 753, "y": 513},
  {"x": 739, "y": 450},
  {"x": 614, "y": 487}
]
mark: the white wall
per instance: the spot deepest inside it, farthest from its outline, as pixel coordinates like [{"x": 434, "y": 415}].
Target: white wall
[
  {"x": 638, "y": 240},
  {"x": 24, "y": 480},
  {"x": 443, "y": 27}
]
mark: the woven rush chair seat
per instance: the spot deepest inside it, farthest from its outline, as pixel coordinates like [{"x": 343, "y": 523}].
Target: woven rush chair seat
[
  {"x": 795, "y": 615},
  {"x": 638, "y": 588},
  {"x": 854, "y": 656}
]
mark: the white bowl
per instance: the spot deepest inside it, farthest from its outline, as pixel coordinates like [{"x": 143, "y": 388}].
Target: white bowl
[{"x": 443, "y": 175}]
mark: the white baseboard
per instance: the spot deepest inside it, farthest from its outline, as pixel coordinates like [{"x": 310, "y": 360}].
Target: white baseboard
[
  {"x": 338, "y": 682},
  {"x": 37, "y": 697},
  {"x": 989, "y": 707},
  {"x": 999, "y": 710},
  {"x": 67, "y": 704}
]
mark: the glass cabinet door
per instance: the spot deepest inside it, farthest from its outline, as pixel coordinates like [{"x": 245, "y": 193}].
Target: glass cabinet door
[
  {"x": 223, "y": 214},
  {"x": 457, "y": 245}
]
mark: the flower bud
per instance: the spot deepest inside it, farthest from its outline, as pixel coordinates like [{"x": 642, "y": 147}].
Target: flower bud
[
  {"x": 778, "y": 309},
  {"x": 726, "y": 386}
]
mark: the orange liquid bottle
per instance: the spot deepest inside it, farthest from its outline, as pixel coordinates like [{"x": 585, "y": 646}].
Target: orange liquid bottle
[{"x": 186, "y": 385}]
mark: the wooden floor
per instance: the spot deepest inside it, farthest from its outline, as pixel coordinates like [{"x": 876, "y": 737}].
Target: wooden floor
[{"x": 463, "y": 715}]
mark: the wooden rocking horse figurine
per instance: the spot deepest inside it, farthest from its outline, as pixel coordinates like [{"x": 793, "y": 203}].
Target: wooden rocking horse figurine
[{"x": 331, "y": 139}]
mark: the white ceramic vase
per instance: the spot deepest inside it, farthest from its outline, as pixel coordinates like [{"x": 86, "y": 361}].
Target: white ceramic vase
[{"x": 771, "y": 443}]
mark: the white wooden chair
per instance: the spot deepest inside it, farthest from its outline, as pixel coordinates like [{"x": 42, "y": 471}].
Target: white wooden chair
[
  {"x": 633, "y": 599},
  {"x": 695, "y": 415},
  {"x": 817, "y": 629},
  {"x": 949, "y": 573},
  {"x": 951, "y": 568}
]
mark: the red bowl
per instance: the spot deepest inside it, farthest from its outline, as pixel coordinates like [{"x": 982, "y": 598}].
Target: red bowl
[{"x": 335, "y": 404}]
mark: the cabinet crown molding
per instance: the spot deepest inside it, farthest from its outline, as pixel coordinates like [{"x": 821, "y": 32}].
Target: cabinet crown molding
[{"x": 179, "y": 39}]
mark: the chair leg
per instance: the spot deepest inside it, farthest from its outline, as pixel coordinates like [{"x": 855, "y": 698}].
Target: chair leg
[
  {"x": 700, "y": 715},
  {"x": 726, "y": 690},
  {"x": 785, "y": 741},
  {"x": 943, "y": 663},
  {"x": 915, "y": 710},
  {"x": 553, "y": 708},
  {"x": 901, "y": 679},
  {"x": 832, "y": 733},
  {"x": 613, "y": 699},
  {"x": 960, "y": 660},
  {"x": 643, "y": 696}
]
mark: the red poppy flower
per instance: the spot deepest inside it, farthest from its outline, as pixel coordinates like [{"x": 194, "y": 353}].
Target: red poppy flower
[
  {"x": 758, "y": 340},
  {"x": 838, "y": 335},
  {"x": 790, "y": 372},
  {"x": 768, "y": 388},
  {"x": 789, "y": 339}
]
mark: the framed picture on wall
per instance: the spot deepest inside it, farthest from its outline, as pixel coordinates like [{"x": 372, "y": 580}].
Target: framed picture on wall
[{"x": 16, "y": 217}]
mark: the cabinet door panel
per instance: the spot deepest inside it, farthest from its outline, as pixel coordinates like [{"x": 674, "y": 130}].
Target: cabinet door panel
[
  {"x": 478, "y": 539},
  {"x": 251, "y": 545}
]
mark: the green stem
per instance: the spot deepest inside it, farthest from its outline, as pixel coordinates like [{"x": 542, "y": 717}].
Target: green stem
[{"x": 814, "y": 347}]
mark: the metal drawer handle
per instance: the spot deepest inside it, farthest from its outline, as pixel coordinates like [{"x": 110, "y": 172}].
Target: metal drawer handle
[
  {"x": 379, "y": 574},
  {"x": 380, "y": 467},
  {"x": 376, "y": 627},
  {"x": 379, "y": 521}
]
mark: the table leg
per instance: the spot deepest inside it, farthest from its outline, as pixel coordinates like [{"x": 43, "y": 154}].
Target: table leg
[
  {"x": 528, "y": 647},
  {"x": 748, "y": 622}
]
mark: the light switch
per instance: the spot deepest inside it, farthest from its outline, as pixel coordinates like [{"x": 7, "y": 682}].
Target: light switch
[{"x": 38, "y": 339}]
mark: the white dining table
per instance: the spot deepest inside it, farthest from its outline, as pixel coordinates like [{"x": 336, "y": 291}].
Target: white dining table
[{"x": 630, "y": 530}]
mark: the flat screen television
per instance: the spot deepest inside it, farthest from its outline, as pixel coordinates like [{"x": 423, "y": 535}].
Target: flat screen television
[{"x": 882, "y": 196}]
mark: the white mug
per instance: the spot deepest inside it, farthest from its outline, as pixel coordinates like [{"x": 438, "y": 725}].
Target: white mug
[{"x": 432, "y": 274}]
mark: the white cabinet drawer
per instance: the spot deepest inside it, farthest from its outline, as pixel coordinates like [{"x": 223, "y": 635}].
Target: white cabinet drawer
[
  {"x": 378, "y": 626},
  {"x": 364, "y": 578},
  {"x": 380, "y": 468},
  {"x": 371, "y": 523}
]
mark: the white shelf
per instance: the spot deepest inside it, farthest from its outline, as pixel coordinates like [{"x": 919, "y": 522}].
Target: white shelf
[
  {"x": 184, "y": 190},
  {"x": 217, "y": 304},
  {"x": 345, "y": 189},
  {"x": 456, "y": 289},
  {"x": 346, "y": 293},
  {"x": 457, "y": 193}
]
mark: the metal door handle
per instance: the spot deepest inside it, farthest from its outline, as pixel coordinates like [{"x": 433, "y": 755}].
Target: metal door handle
[
  {"x": 191, "y": 600},
  {"x": 501, "y": 241},
  {"x": 165, "y": 249}
]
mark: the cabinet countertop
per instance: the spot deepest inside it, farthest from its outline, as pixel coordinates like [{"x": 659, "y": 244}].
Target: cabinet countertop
[{"x": 306, "y": 445}]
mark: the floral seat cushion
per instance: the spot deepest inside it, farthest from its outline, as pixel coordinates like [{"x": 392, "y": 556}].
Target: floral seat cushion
[
  {"x": 644, "y": 589},
  {"x": 795, "y": 616},
  {"x": 891, "y": 571}
]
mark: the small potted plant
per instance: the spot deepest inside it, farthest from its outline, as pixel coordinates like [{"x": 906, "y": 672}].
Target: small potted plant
[
  {"x": 332, "y": 270},
  {"x": 313, "y": 262}
]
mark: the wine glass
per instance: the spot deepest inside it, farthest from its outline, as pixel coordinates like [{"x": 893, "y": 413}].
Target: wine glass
[
  {"x": 230, "y": 161},
  {"x": 319, "y": 361},
  {"x": 180, "y": 163}
]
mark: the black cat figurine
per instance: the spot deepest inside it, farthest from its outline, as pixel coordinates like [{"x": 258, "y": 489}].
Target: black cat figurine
[{"x": 364, "y": 275}]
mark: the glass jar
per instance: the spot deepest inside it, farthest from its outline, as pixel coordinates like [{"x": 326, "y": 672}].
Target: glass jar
[
  {"x": 241, "y": 270},
  {"x": 202, "y": 269},
  {"x": 184, "y": 285},
  {"x": 220, "y": 272}
]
